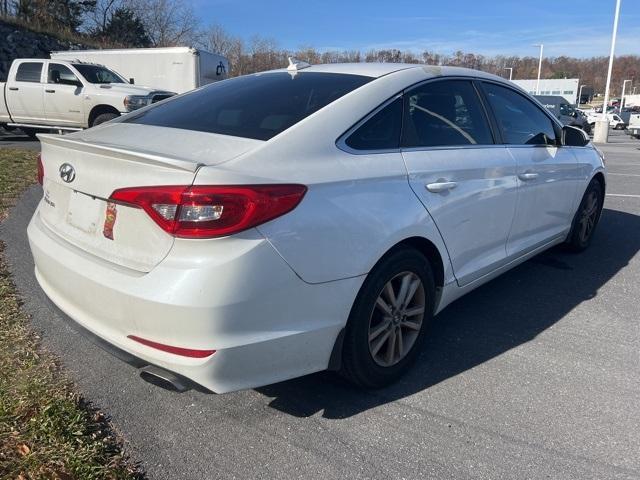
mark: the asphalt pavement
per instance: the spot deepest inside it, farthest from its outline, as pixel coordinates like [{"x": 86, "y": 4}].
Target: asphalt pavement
[
  {"x": 16, "y": 139},
  {"x": 534, "y": 375}
]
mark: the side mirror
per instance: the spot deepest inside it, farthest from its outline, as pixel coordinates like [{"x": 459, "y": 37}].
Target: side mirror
[
  {"x": 574, "y": 137},
  {"x": 131, "y": 81}
]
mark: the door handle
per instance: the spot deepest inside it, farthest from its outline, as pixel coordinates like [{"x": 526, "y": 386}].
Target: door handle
[
  {"x": 439, "y": 187},
  {"x": 14, "y": 88},
  {"x": 528, "y": 176},
  {"x": 50, "y": 91}
]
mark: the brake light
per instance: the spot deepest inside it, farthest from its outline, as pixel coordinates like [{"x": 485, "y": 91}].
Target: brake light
[
  {"x": 211, "y": 211},
  {"x": 40, "y": 170}
]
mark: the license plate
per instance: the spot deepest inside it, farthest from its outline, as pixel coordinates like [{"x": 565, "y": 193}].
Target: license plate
[{"x": 84, "y": 212}]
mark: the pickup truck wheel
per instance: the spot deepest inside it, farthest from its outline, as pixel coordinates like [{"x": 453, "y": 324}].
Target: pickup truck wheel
[{"x": 104, "y": 117}]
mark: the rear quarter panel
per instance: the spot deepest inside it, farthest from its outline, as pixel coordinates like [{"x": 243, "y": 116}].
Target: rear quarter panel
[{"x": 357, "y": 206}]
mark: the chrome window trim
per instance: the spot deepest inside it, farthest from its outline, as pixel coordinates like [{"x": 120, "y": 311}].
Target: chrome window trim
[{"x": 341, "y": 143}]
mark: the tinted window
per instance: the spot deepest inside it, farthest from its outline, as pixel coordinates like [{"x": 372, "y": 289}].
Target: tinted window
[
  {"x": 381, "y": 131},
  {"x": 29, "y": 72},
  {"x": 57, "y": 73},
  {"x": 256, "y": 106},
  {"x": 520, "y": 120},
  {"x": 444, "y": 113},
  {"x": 97, "y": 74}
]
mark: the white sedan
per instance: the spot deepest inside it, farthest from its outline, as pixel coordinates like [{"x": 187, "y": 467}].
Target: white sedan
[{"x": 287, "y": 222}]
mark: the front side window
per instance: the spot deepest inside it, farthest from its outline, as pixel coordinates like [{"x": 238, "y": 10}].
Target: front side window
[
  {"x": 98, "y": 74},
  {"x": 258, "y": 106},
  {"x": 29, "y": 72},
  {"x": 520, "y": 120},
  {"x": 444, "y": 113},
  {"x": 381, "y": 131},
  {"x": 61, "y": 74}
]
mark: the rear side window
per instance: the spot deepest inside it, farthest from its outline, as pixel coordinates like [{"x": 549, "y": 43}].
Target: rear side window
[
  {"x": 520, "y": 120},
  {"x": 444, "y": 113},
  {"x": 29, "y": 72},
  {"x": 257, "y": 106},
  {"x": 381, "y": 131}
]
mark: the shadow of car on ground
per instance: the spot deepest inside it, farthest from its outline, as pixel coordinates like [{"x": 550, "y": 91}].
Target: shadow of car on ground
[{"x": 503, "y": 314}]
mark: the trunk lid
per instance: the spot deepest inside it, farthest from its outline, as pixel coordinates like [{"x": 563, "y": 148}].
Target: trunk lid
[{"x": 116, "y": 156}]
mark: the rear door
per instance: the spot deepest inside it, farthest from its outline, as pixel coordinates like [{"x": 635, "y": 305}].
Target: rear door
[
  {"x": 548, "y": 174},
  {"x": 466, "y": 182},
  {"x": 63, "y": 99},
  {"x": 24, "y": 93}
]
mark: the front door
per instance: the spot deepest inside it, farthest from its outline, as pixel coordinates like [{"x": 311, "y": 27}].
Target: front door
[
  {"x": 63, "y": 104},
  {"x": 467, "y": 182},
  {"x": 548, "y": 174}
]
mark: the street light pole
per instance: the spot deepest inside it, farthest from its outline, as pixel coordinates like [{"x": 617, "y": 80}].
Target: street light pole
[
  {"x": 510, "y": 72},
  {"x": 601, "y": 133},
  {"x": 624, "y": 84},
  {"x": 539, "y": 68}
]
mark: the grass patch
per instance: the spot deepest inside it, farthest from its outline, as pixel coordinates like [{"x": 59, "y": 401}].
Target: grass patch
[{"x": 46, "y": 430}]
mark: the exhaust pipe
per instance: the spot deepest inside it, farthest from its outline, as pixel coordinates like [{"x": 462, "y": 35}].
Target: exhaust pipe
[{"x": 163, "y": 378}]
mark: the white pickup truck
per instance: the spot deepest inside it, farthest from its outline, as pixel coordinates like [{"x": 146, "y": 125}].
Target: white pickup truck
[{"x": 42, "y": 94}]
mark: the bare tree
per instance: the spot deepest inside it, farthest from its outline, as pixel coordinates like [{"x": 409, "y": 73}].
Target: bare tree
[
  {"x": 97, "y": 19},
  {"x": 168, "y": 22}
]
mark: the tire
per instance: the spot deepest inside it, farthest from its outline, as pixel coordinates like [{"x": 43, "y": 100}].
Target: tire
[
  {"x": 580, "y": 235},
  {"x": 30, "y": 132},
  {"x": 360, "y": 365},
  {"x": 104, "y": 117}
]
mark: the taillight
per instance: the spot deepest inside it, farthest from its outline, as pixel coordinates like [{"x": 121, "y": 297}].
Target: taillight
[
  {"x": 40, "y": 170},
  {"x": 211, "y": 211}
]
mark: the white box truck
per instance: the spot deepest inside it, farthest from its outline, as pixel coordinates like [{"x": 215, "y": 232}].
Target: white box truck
[{"x": 176, "y": 69}]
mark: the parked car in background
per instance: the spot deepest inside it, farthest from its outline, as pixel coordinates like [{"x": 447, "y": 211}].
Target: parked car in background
[
  {"x": 292, "y": 221},
  {"x": 177, "y": 69},
  {"x": 59, "y": 95},
  {"x": 564, "y": 111},
  {"x": 634, "y": 125},
  {"x": 614, "y": 120}
]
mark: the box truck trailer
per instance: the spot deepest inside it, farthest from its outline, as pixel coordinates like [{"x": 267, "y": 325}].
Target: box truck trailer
[{"x": 176, "y": 69}]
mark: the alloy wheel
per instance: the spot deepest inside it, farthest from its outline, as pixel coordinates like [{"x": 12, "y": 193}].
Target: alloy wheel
[
  {"x": 396, "y": 319},
  {"x": 589, "y": 216}
]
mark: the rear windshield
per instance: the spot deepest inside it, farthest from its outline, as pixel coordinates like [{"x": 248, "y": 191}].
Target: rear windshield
[{"x": 256, "y": 106}]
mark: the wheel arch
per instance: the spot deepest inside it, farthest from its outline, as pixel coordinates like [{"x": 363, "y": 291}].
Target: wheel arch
[
  {"x": 436, "y": 261},
  {"x": 99, "y": 110}
]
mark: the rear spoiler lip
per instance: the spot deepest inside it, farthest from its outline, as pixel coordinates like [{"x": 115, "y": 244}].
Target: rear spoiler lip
[{"x": 147, "y": 157}]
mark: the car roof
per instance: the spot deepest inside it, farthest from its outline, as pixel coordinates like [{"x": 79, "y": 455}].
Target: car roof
[{"x": 379, "y": 69}]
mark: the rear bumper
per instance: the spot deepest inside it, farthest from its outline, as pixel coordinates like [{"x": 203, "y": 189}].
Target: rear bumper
[{"x": 234, "y": 295}]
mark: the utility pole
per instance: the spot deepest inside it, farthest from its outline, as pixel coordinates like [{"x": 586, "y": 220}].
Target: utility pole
[
  {"x": 601, "y": 133},
  {"x": 624, "y": 84},
  {"x": 539, "y": 68}
]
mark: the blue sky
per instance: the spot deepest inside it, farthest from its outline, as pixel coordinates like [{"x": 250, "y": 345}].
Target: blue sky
[{"x": 566, "y": 27}]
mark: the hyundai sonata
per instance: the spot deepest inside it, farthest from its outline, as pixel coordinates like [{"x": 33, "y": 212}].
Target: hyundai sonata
[{"x": 316, "y": 217}]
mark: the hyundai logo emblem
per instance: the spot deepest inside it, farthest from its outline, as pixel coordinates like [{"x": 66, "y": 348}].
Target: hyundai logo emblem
[{"x": 67, "y": 173}]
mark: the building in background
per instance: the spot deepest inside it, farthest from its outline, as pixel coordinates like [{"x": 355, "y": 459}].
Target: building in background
[{"x": 564, "y": 87}]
